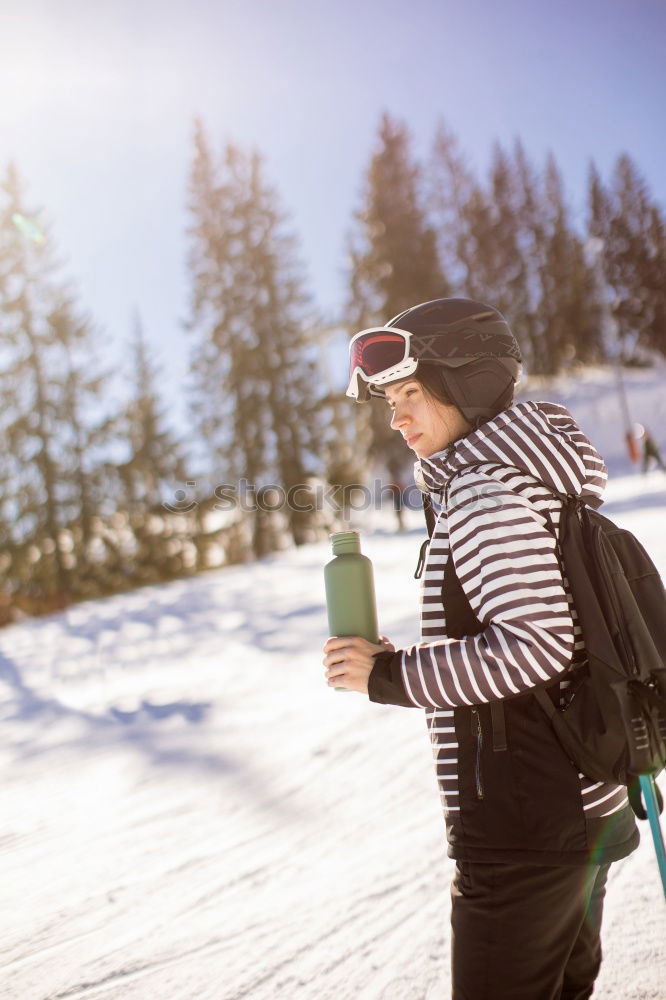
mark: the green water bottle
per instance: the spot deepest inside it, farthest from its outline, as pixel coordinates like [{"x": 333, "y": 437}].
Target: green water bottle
[{"x": 350, "y": 590}]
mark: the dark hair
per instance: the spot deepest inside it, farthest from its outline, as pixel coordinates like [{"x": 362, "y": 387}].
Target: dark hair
[
  {"x": 430, "y": 377},
  {"x": 489, "y": 383}
]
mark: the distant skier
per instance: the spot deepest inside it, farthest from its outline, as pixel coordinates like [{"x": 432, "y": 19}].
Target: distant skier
[
  {"x": 651, "y": 451},
  {"x": 397, "y": 487},
  {"x": 397, "y": 490}
]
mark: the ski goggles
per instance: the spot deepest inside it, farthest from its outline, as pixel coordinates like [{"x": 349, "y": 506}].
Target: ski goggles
[{"x": 377, "y": 356}]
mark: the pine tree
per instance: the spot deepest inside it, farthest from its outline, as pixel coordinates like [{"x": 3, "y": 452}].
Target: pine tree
[
  {"x": 155, "y": 464},
  {"x": 48, "y": 381},
  {"x": 654, "y": 269},
  {"x": 500, "y": 268},
  {"x": 531, "y": 239},
  {"x": 635, "y": 251},
  {"x": 86, "y": 427},
  {"x": 394, "y": 258},
  {"x": 568, "y": 311},
  {"x": 600, "y": 211},
  {"x": 28, "y": 382},
  {"x": 253, "y": 384},
  {"x": 156, "y": 460},
  {"x": 486, "y": 232},
  {"x": 451, "y": 186}
]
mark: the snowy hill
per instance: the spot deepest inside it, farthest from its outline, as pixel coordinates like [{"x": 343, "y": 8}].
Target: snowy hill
[
  {"x": 189, "y": 813},
  {"x": 594, "y": 399}
]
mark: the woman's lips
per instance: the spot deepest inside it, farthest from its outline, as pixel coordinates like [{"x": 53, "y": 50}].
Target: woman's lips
[{"x": 410, "y": 439}]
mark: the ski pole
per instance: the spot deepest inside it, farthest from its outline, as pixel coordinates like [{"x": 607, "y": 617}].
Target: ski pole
[{"x": 652, "y": 809}]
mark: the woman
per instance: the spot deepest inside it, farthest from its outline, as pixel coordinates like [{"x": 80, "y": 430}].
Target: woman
[{"x": 533, "y": 838}]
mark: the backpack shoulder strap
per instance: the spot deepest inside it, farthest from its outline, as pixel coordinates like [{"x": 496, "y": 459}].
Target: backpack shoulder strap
[
  {"x": 430, "y": 520},
  {"x": 429, "y": 513}
]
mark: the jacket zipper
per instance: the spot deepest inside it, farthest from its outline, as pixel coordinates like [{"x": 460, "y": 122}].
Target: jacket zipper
[{"x": 477, "y": 732}]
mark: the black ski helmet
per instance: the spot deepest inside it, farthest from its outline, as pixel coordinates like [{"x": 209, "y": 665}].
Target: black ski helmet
[{"x": 472, "y": 345}]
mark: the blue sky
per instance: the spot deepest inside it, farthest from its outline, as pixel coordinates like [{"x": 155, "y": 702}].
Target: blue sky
[{"x": 98, "y": 104}]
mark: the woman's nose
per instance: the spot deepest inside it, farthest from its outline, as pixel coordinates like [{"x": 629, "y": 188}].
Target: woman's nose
[{"x": 398, "y": 418}]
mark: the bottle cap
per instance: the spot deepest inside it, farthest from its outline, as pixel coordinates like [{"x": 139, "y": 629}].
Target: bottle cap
[{"x": 345, "y": 542}]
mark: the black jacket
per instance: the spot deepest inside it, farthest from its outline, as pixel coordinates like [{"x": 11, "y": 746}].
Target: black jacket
[{"x": 497, "y": 621}]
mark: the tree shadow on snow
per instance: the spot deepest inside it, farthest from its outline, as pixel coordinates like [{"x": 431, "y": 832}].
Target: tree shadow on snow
[{"x": 139, "y": 730}]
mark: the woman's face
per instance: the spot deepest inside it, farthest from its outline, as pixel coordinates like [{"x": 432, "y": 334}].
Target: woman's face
[{"x": 427, "y": 425}]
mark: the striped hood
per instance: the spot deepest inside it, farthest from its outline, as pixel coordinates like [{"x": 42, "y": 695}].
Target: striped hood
[{"x": 540, "y": 439}]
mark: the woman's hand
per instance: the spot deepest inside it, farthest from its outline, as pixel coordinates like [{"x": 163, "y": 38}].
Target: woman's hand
[{"x": 349, "y": 660}]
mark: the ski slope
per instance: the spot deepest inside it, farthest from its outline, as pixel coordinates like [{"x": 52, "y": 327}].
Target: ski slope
[{"x": 190, "y": 813}]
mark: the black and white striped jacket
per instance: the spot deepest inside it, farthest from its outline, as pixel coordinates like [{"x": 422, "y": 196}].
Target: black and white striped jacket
[{"x": 527, "y": 802}]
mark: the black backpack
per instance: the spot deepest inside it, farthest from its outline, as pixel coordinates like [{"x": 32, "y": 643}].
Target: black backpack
[{"x": 612, "y": 723}]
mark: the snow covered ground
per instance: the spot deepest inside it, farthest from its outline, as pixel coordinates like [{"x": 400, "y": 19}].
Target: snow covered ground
[{"x": 188, "y": 812}]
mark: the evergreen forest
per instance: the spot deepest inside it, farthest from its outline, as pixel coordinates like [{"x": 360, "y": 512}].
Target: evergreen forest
[{"x": 100, "y": 492}]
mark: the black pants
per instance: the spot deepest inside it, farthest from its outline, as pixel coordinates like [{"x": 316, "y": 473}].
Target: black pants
[{"x": 525, "y": 933}]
